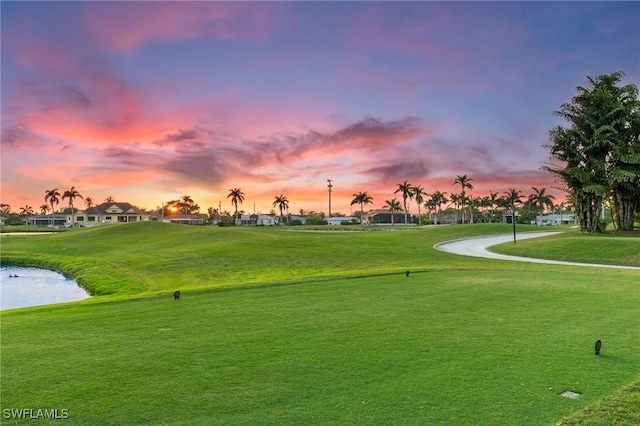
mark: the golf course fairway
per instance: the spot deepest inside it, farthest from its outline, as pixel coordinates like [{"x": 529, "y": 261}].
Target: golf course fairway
[{"x": 295, "y": 325}]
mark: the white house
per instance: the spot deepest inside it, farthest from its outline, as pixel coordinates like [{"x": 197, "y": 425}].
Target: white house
[
  {"x": 339, "y": 220},
  {"x": 185, "y": 219},
  {"x": 267, "y": 220},
  {"x": 554, "y": 219},
  {"x": 103, "y": 213},
  {"x": 110, "y": 213}
]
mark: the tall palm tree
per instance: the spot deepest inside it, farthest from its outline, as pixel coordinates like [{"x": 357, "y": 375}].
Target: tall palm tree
[
  {"x": 473, "y": 203},
  {"x": 541, "y": 200},
  {"x": 362, "y": 198},
  {"x": 26, "y": 211},
  {"x": 51, "y": 195},
  {"x": 407, "y": 192},
  {"x": 561, "y": 208},
  {"x": 71, "y": 195},
  {"x": 393, "y": 205},
  {"x": 512, "y": 198},
  {"x": 457, "y": 200},
  {"x": 437, "y": 200},
  {"x": 282, "y": 203},
  {"x": 465, "y": 183},
  {"x": 418, "y": 193},
  {"x": 493, "y": 199},
  {"x": 237, "y": 196},
  {"x": 187, "y": 204}
]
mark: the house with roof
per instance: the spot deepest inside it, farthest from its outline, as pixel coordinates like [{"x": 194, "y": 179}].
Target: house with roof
[
  {"x": 554, "y": 220},
  {"x": 293, "y": 218},
  {"x": 386, "y": 217},
  {"x": 52, "y": 220},
  {"x": 110, "y": 213},
  {"x": 267, "y": 220},
  {"x": 185, "y": 219},
  {"x": 342, "y": 220}
]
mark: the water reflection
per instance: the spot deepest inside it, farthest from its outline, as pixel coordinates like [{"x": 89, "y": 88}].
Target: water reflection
[{"x": 21, "y": 287}]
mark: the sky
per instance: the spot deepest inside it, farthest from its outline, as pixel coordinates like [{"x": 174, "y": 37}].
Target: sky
[{"x": 148, "y": 101}]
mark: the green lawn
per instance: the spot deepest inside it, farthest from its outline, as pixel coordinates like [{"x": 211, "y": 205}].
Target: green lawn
[
  {"x": 294, "y": 326},
  {"x": 577, "y": 247}
]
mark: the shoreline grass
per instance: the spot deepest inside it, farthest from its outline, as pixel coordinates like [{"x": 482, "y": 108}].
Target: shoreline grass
[{"x": 327, "y": 319}]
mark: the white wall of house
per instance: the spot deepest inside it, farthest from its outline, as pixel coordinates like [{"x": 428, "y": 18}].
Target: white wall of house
[
  {"x": 267, "y": 220},
  {"x": 339, "y": 220},
  {"x": 554, "y": 220}
]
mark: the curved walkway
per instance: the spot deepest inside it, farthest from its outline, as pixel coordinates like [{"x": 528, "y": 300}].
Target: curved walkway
[{"x": 477, "y": 247}]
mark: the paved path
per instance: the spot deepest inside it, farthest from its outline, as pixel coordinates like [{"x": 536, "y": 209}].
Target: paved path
[{"x": 477, "y": 247}]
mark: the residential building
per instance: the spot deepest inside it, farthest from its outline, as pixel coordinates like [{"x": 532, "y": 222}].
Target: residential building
[
  {"x": 341, "y": 220},
  {"x": 554, "y": 220},
  {"x": 185, "y": 219},
  {"x": 384, "y": 217},
  {"x": 110, "y": 213}
]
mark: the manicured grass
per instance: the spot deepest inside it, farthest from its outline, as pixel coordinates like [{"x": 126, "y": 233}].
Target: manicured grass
[
  {"x": 151, "y": 257},
  {"x": 312, "y": 327},
  {"x": 580, "y": 247},
  {"x": 620, "y": 408}
]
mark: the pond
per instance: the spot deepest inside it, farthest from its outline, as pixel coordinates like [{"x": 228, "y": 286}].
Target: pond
[{"x": 21, "y": 287}]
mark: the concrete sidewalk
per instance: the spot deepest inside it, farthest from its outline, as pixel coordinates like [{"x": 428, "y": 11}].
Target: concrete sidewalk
[{"x": 477, "y": 247}]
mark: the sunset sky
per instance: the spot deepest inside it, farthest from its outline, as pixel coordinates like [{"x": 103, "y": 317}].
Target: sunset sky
[{"x": 149, "y": 101}]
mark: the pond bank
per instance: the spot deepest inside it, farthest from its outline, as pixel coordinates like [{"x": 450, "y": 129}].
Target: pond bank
[{"x": 23, "y": 287}]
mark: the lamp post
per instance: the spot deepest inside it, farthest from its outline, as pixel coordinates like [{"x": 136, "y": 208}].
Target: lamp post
[{"x": 329, "y": 185}]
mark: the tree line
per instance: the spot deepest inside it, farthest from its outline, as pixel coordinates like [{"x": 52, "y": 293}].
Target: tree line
[
  {"x": 599, "y": 151},
  {"x": 597, "y": 158}
]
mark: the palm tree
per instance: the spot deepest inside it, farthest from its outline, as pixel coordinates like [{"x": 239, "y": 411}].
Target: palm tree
[
  {"x": 44, "y": 208},
  {"x": 437, "y": 200},
  {"x": 51, "y": 195},
  {"x": 109, "y": 199},
  {"x": 474, "y": 202},
  {"x": 71, "y": 195},
  {"x": 465, "y": 183},
  {"x": 561, "y": 208},
  {"x": 407, "y": 192},
  {"x": 511, "y": 198},
  {"x": 493, "y": 199},
  {"x": 88, "y": 202},
  {"x": 541, "y": 200},
  {"x": 418, "y": 193},
  {"x": 362, "y": 198},
  {"x": 457, "y": 200},
  {"x": 237, "y": 196},
  {"x": 187, "y": 204},
  {"x": 393, "y": 205},
  {"x": 282, "y": 203},
  {"x": 26, "y": 211}
]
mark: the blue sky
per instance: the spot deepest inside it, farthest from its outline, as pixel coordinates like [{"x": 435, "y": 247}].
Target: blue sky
[{"x": 149, "y": 101}]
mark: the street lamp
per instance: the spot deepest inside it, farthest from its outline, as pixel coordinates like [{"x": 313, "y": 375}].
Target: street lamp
[{"x": 329, "y": 185}]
